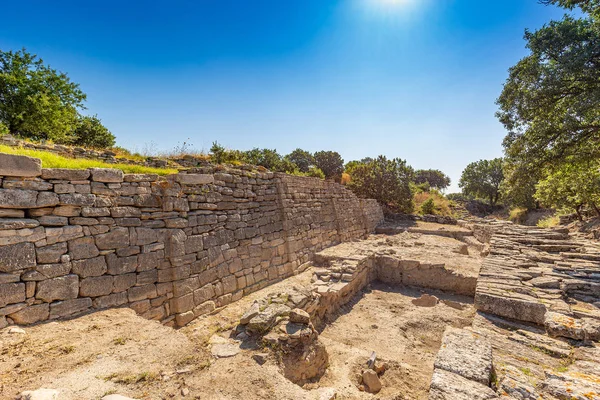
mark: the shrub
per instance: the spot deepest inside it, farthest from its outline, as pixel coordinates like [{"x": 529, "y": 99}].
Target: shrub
[
  {"x": 424, "y": 201},
  {"x": 428, "y": 207},
  {"x": 549, "y": 222},
  {"x": 518, "y": 215},
  {"x": 89, "y": 132},
  {"x": 387, "y": 181},
  {"x": 3, "y": 129}
]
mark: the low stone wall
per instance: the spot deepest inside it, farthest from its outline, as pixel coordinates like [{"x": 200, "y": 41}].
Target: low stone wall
[{"x": 174, "y": 248}]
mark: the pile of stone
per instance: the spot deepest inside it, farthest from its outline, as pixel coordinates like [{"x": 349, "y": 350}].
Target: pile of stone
[{"x": 289, "y": 333}]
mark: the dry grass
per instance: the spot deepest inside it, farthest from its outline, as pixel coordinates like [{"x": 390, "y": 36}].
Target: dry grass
[
  {"x": 52, "y": 160},
  {"x": 549, "y": 222},
  {"x": 441, "y": 204},
  {"x": 518, "y": 215}
]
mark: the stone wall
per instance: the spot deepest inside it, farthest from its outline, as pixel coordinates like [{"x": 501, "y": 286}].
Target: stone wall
[{"x": 171, "y": 248}]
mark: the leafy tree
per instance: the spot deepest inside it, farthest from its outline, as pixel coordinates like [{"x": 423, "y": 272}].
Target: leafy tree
[
  {"x": 3, "y": 129},
  {"x": 551, "y": 100},
  {"x": 433, "y": 177},
  {"x": 572, "y": 186},
  {"x": 387, "y": 181},
  {"x": 482, "y": 179},
  {"x": 302, "y": 158},
  {"x": 331, "y": 163},
  {"x": 89, "y": 132},
  {"x": 37, "y": 101},
  {"x": 518, "y": 186},
  {"x": 587, "y": 6}
]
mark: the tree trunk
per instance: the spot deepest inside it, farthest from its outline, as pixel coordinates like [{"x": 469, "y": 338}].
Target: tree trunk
[
  {"x": 596, "y": 208},
  {"x": 578, "y": 211}
]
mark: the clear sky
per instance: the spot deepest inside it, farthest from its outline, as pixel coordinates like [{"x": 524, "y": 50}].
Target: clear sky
[{"x": 415, "y": 79}]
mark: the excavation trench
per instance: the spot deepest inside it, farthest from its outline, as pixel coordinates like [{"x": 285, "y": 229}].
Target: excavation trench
[{"x": 392, "y": 295}]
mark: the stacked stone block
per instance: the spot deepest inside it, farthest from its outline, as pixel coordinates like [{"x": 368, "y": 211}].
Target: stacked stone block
[{"x": 173, "y": 248}]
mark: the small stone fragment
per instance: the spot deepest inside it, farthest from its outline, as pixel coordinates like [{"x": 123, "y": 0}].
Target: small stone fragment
[
  {"x": 371, "y": 381},
  {"x": 40, "y": 394},
  {"x": 299, "y": 316}
]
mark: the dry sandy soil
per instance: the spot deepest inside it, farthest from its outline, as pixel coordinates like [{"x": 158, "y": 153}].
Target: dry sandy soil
[{"x": 116, "y": 351}]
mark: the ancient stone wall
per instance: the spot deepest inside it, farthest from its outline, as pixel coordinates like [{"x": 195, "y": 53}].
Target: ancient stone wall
[{"x": 172, "y": 248}]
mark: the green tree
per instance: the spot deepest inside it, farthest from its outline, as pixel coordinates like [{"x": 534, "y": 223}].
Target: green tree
[
  {"x": 302, "y": 158},
  {"x": 89, "y": 132},
  {"x": 387, "y": 181},
  {"x": 518, "y": 186},
  {"x": 551, "y": 100},
  {"x": 482, "y": 179},
  {"x": 331, "y": 163},
  {"x": 37, "y": 101},
  {"x": 591, "y": 7},
  {"x": 433, "y": 177},
  {"x": 572, "y": 186}
]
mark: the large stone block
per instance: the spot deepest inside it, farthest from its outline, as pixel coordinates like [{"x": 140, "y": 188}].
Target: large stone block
[
  {"x": 17, "y": 198},
  {"x": 14, "y": 165},
  {"x": 65, "y": 174},
  {"x": 121, "y": 265},
  {"x": 31, "y": 314},
  {"x": 90, "y": 267},
  {"x": 61, "y": 288},
  {"x": 69, "y": 307},
  {"x": 11, "y": 293},
  {"x": 96, "y": 286},
  {"x": 117, "y": 238},
  {"x": 16, "y": 257},
  {"x": 82, "y": 248},
  {"x": 193, "y": 179},
  {"x": 107, "y": 175}
]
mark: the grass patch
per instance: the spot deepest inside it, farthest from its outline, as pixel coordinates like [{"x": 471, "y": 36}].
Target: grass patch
[
  {"x": 549, "y": 222},
  {"x": 119, "y": 341},
  {"x": 52, "y": 160}
]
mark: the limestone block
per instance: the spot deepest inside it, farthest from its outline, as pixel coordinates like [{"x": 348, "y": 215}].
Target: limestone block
[
  {"x": 124, "y": 282},
  {"x": 51, "y": 254},
  {"x": 96, "y": 286},
  {"x": 90, "y": 267},
  {"x": 117, "y": 238},
  {"x": 22, "y": 166},
  {"x": 17, "y": 223},
  {"x": 61, "y": 288},
  {"x": 138, "y": 293},
  {"x": 107, "y": 175},
  {"x": 53, "y": 220},
  {"x": 83, "y": 248},
  {"x": 11, "y": 293},
  {"x": 17, "y": 257},
  {"x": 31, "y": 314},
  {"x": 77, "y": 199},
  {"x": 69, "y": 307},
  {"x": 65, "y": 174},
  {"x": 449, "y": 386},
  {"x": 193, "y": 179},
  {"x": 467, "y": 354},
  {"x": 121, "y": 265},
  {"x": 17, "y": 198}
]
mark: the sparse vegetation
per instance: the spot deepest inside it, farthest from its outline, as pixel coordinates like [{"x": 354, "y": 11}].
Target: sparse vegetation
[
  {"x": 52, "y": 160},
  {"x": 518, "y": 215},
  {"x": 549, "y": 222}
]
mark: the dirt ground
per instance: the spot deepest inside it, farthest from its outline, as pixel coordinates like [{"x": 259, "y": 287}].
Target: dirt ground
[{"x": 115, "y": 351}]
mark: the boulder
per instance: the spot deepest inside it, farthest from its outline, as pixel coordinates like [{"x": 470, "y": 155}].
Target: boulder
[
  {"x": 250, "y": 313},
  {"x": 264, "y": 320},
  {"x": 107, "y": 175}
]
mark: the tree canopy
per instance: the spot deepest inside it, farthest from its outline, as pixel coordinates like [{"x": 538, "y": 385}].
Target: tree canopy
[
  {"x": 433, "y": 177},
  {"x": 90, "y": 132},
  {"x": 302, "y": 158},
  {"x": 37, "y": 101},
  {"x": 482, "y": 179},
  {"x": 387, "y": 181},
  {"x": 550, "y": 104},
  {"x": 331, "y": 163}
]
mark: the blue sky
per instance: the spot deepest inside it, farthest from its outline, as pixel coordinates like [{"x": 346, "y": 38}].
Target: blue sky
[{"x": 415, "y": 79}]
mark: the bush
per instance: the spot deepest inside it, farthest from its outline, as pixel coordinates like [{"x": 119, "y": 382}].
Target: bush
[
  {"x": 432, "y": 202},
  {"x": 428, "y": 207},
  {"x": 387, "y": 181},
  {"x": 518, "y": 215},
  {"x": 331, "y": 163},
  {"x": 89, "y": 132},
  {"x": 3, "y": 129},
  {"x": 549, "y": 222}
]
